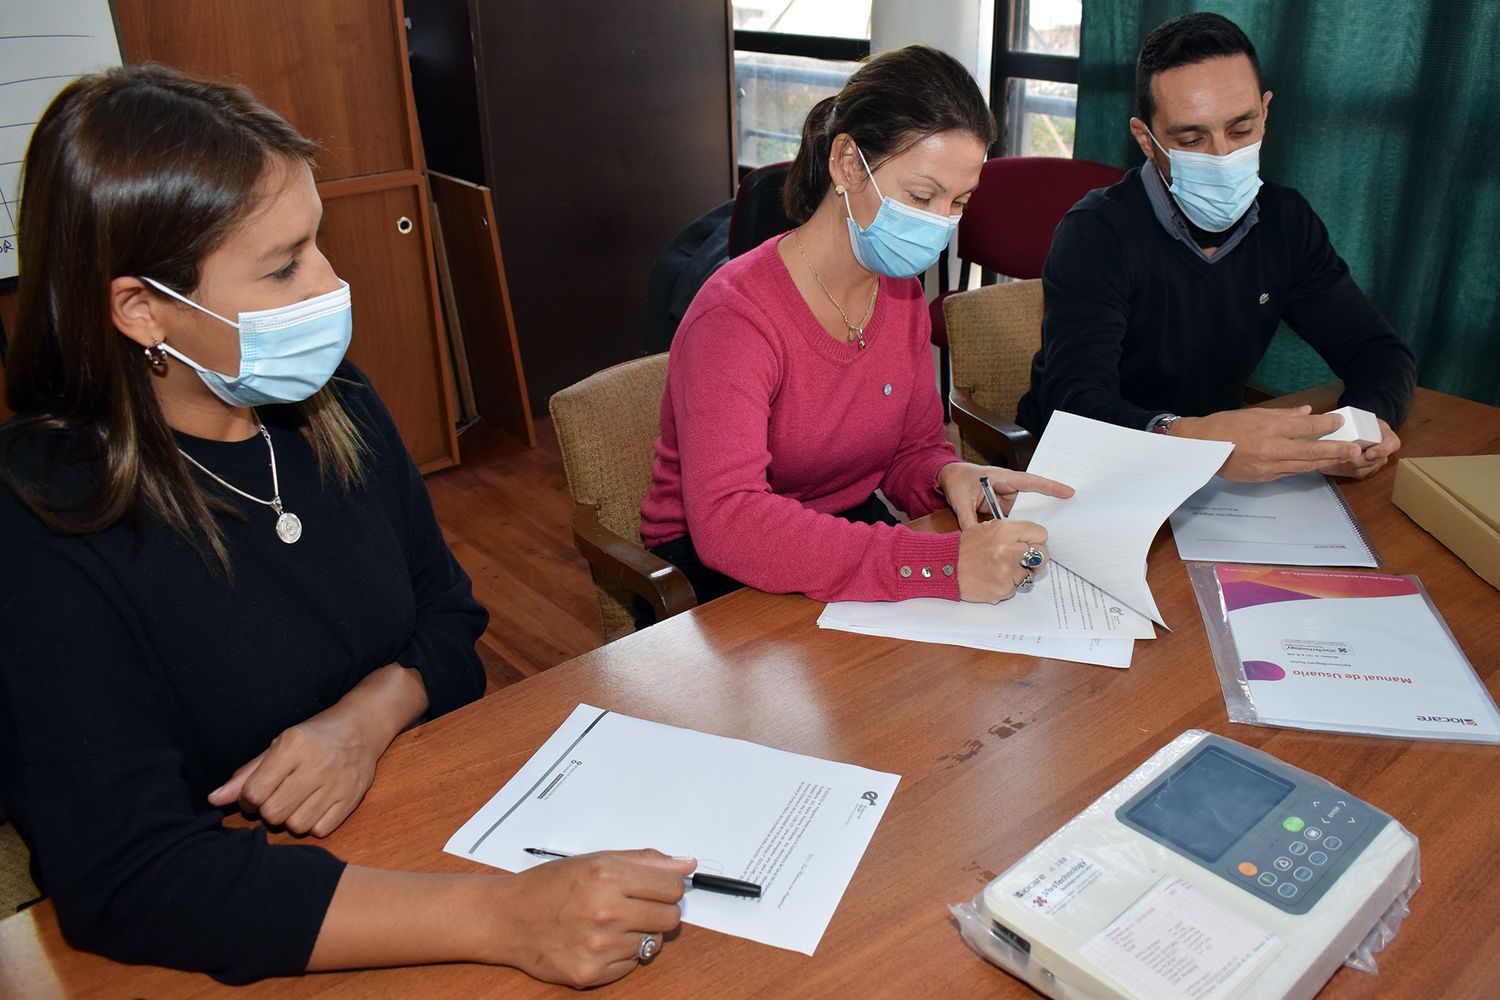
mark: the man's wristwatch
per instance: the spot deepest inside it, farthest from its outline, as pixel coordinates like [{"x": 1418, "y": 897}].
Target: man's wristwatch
[{"x": 1163, "y": 424}]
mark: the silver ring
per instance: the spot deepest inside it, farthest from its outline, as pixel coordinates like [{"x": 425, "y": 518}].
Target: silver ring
[
  {"x": 1028, "y": 582},
  {"x": 1032, "y": 557},
  {"x": 649, "y": 947}
]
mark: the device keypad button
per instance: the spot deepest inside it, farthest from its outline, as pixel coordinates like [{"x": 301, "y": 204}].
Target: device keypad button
[
  {"x": 1287, "y": 890},
  {"x": 1297, "y": 847},
  {"x": 1332, "y": 843},
  {"x": 1317, "y": 858},
  {"x": 1282, "y": 863}
]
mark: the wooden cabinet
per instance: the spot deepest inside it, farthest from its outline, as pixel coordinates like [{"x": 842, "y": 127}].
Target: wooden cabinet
[
  {"x": 337, "y": 70},
  {"x": 376, "y": 239}
]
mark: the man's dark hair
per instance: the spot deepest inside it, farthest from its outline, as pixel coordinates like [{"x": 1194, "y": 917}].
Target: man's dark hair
[{"x": 1183, "y": 41}]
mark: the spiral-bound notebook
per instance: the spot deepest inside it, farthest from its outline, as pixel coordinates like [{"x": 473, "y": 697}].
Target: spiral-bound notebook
[{"x": 1297, "y": 521}]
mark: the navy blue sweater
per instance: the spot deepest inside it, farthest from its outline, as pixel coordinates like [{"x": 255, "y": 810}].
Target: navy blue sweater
[{"x": 1136, "y": 324}]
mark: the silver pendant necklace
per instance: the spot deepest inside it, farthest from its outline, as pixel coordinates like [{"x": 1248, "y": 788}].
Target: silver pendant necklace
[{"x": 288, "y": 525}]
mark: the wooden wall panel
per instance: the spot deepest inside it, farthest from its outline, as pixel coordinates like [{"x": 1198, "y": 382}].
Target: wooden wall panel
[
  {"x": 608, "y": 131},
  {"x": 333, "y": 68},
  {"x": 482, "y": 301}
]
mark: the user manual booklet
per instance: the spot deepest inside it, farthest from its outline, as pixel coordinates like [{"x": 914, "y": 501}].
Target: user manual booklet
[
  {"x": 1296, "y": 521},
  {"x": 797, "y": 826},
  {"x": 1339, "y": 651}
]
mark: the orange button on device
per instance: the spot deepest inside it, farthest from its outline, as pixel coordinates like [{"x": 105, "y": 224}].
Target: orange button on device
[{"x": 1246, "y": 868}]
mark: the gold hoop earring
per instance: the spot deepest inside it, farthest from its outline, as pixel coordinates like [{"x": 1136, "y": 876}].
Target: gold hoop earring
[{"x": 155, "y": 356}]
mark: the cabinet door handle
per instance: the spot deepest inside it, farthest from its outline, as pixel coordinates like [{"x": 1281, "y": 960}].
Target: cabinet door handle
[{"x": 404, "y": 226}]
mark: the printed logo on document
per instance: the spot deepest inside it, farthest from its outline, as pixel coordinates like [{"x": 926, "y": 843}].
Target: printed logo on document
[
  {"x": 1447, "y": 718},
  {"x": 867, "y": 801},
  {"x": 1316, "y": 652}
]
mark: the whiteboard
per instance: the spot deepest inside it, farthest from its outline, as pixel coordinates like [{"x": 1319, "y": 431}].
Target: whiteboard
[{"x": 44, "y": 45}]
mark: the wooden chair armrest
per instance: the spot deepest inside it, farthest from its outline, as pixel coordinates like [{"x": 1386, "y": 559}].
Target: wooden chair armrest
[
  {"x": 617, "y": 560},
  {"x": 1321, "y": 398},
  {"x": 999, "y": 440}
]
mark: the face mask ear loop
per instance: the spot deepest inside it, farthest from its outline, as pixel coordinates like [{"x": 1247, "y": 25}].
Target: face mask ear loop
[
  {"x": 868, "y": 172},
  {"x": 1164, "y": 152},
  {"x": 186, "y": 301}
]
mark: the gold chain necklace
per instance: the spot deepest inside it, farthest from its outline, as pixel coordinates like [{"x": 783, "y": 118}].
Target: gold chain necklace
[{"x": 855, "y": 332}]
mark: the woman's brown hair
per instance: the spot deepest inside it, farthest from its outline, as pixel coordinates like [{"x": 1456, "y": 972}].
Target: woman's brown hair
[
  {"x": 890, "y": 104},
  {"x": 136, "y": 171}
]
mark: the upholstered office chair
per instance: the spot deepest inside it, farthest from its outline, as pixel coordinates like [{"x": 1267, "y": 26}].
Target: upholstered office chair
[
  {"x": 607, "y": 427},
  {"x": 993, "y": 332},
  {"x": 16, "y": 886},
  {"x": 1008, "y": 225},
  {"x": 757, "y": 213}
]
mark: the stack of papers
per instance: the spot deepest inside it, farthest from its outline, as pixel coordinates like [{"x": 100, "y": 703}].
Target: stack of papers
[{"x": 1091, "y": 602}]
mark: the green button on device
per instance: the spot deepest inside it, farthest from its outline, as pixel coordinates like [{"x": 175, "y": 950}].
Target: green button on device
[{"x": 1293, "y": 823}]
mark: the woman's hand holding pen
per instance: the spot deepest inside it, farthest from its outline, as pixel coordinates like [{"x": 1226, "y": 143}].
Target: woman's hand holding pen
[
  {"x": 959, "y": 482},
  {"x": 991, "y": 554},
  {"x": 580, "y": 921},
  {"x": 989, "y": 559}
]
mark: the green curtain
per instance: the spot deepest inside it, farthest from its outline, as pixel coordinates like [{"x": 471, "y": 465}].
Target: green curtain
[{"x": 1386, "y": 116}]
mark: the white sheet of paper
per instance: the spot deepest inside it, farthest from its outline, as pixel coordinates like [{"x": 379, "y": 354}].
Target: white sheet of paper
[
  {"x": 1098, "y": 652},
  {"x": 42, "y": 45},
  {"x": 1060, "y": 605},
  {"x": 1297, "y": 521},
  {"x": 795, "y": 825},
  {"x": 1176, "y": 943},
  {"x": 1128, "y": 482},
  {"x": 1313, "y": 659}
]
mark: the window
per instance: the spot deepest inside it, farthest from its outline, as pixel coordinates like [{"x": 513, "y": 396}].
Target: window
[
  {"x": 1034, "y": 75},
  {"x": 789, "y": 55}
]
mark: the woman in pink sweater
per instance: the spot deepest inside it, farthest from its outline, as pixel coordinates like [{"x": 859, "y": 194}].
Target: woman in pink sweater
[{"x": 801, "y": 378}]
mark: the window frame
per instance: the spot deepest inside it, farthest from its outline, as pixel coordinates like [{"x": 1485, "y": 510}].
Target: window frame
[
  {"x": 830, "y": 48},
  {"x": 1008, "y": 63}
]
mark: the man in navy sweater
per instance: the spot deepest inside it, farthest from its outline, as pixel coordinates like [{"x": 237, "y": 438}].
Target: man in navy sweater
[{"x": 1163, "y": 291}]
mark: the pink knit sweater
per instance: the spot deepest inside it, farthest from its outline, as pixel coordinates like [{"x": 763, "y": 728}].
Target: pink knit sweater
[{"x": 769, "y": 426}]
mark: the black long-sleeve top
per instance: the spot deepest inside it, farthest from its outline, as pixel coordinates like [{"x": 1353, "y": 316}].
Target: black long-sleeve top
[
  {"x": 1136, "y": 323},
  {"x": 134, "y": 680}
]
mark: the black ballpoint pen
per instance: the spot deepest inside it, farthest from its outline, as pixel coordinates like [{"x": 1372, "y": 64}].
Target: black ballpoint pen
[{"x": 700, "y": 880}]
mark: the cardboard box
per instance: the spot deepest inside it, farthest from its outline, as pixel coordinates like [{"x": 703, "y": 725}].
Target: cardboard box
[{"x": 1457, "y": 499}]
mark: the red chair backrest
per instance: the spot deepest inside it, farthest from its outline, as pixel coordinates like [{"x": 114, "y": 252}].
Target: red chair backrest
[
  {"x": 757, "y": 214},
  {"x": 1009, "y": 222}
]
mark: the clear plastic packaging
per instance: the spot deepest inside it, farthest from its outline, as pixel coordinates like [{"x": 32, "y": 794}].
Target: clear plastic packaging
[{"x": 1239, "y": 700}]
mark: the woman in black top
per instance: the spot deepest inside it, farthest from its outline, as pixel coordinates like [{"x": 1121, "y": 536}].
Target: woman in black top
[{"x": 229, "y": 592}]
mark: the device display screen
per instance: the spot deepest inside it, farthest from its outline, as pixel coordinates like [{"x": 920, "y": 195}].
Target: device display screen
[{"x": 1209, "y": 804}]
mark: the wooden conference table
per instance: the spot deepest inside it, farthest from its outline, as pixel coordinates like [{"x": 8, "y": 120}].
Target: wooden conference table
[{"x": 995, "y": 752}]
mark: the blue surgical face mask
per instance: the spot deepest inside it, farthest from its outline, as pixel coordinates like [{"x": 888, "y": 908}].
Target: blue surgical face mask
[
  {"x": 286, "y": 353},
  {"x": 1213, "y": 191},
  {"x": 901, "y": 241}
]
